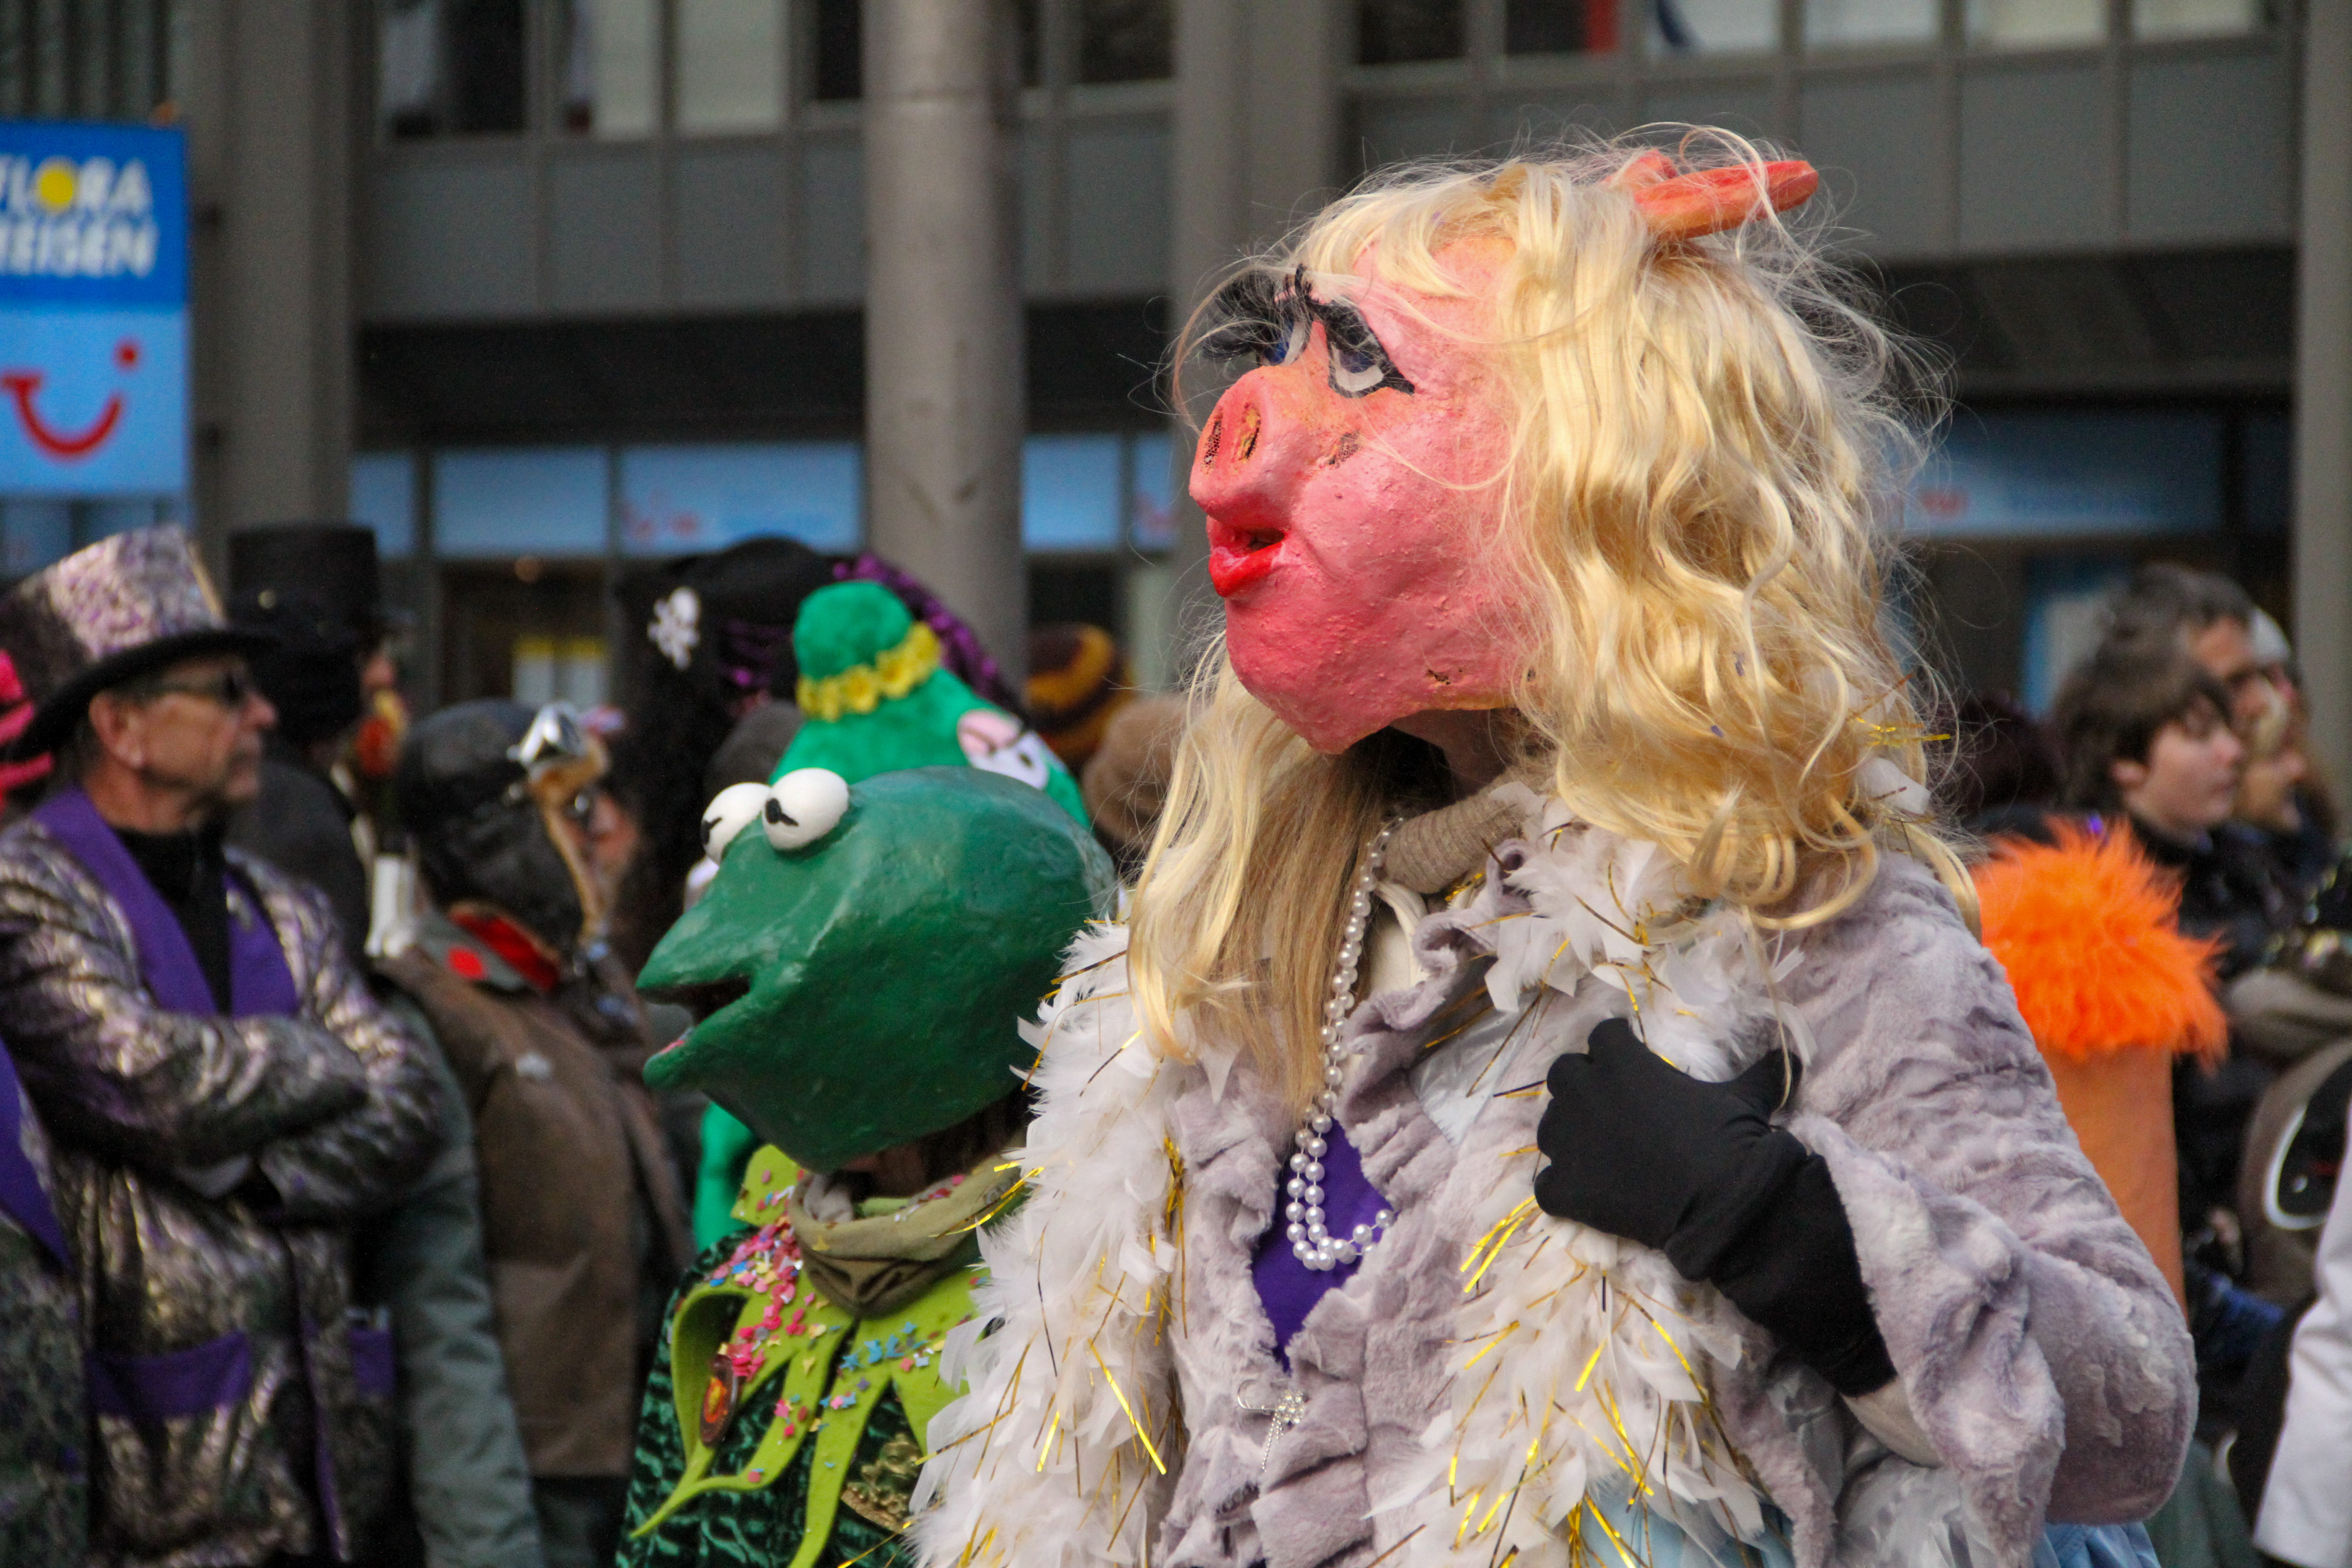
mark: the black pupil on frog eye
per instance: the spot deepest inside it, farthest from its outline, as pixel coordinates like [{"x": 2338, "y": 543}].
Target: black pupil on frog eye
[{"x": 777, "y": 813}]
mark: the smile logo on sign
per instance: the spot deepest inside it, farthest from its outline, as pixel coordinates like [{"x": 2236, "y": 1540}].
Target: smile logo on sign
[
  {"x": 93, "y": 310},
  {"x": 21, "y": 386}
]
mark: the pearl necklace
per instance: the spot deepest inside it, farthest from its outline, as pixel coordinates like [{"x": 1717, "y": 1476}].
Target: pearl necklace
[{"x": 1310, "y": 1239}]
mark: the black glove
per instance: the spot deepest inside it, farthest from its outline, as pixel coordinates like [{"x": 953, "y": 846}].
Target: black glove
[{"x": 1698, "y": 1171}]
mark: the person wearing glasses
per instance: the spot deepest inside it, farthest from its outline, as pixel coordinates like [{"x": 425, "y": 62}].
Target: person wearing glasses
[
  {"x": 224, "y": 1096},
  {"x": 583, "y": 1221}
]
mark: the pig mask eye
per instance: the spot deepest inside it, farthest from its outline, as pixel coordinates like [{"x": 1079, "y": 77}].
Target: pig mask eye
[
  {"x": 1258, "y": 320},
  {"x": 1359, "y": 365}
]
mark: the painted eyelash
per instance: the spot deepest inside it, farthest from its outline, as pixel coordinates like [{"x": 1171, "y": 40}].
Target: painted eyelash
[
  {"x": 1255, "y": 316},
  {"x": 1249, "y": 319}
]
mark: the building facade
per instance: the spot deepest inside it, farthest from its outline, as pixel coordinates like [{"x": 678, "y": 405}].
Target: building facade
[{"x": 543, "y": 287}]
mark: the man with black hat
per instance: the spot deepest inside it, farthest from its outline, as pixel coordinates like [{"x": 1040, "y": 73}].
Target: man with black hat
[
  {"x": 466, "y": 1503},
  {"x": 223, "y": 1095},
  {"x": 313, "y": 587},
  {"x": 583, "y": 1219}
]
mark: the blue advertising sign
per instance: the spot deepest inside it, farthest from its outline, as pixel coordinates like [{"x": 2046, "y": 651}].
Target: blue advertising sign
[{"x": 93, "y": 310}]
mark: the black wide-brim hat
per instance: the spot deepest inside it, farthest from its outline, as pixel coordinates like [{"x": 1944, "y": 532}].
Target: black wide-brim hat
[{"x": 130, "y": 604}]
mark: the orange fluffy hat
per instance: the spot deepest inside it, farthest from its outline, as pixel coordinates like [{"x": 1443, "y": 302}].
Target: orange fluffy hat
[{"x": 2088, "y": 930}]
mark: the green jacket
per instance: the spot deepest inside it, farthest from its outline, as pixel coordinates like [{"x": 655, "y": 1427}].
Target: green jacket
[
  {"x": 800, "y": 1449},
  {"x": 468, "y": 1488}
]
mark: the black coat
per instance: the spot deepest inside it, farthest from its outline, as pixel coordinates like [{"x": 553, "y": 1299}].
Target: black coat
[{"x": 302, "y": 825}]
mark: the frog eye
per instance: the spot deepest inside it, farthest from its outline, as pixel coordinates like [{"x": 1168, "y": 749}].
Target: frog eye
[
  {"x": 731, "y": 810},
  {"x": 804, "y": 806}
]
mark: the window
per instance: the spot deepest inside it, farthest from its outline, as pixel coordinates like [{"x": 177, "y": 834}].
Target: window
[
  {"x": 1714, "y": 27},
  {"x": 730, "y": 65},
  {"x": 2067, "y": 600},
  {"x": 37, "y": 531},
  {"x": 678, "y": 500},
  {"x": 94, "y": 60},
  {"x": 840, "y": 66},
  {"x": 2044, "y": 475},
  {"x": 1559, "y": 27},
  {"x": 558, "y": 669},
  {"x": 2196, "y": 18},
  {"x": 1388, "y": 32},
  {"x": 2036, "y": 24},
  {"x": 1126, "y": 40},
  {"x": 384, "y": 497},
  {"x": 451, "y": 68},
  {"x": 612, "y": 55},
  {"x": 1847, "y": 23},
  {"x": 33, "y": 534},
  {"x": 1070, "y": 492},
  {"x": 1029, "y": 38},
  {"x": 492, "y": 505},
  {"x": 1151, "y": 493}
]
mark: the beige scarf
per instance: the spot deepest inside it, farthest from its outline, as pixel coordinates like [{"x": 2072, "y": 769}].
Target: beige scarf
[{"x": 875, "y": 1263}]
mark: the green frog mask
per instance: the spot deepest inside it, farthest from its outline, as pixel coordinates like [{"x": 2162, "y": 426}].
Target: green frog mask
[{"x": 861, "y": 961}]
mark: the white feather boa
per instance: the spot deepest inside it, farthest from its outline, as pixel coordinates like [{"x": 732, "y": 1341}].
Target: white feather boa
[
  {"x": 1057, "y": 1454},
  {"x": 1581, "y": 1364}
]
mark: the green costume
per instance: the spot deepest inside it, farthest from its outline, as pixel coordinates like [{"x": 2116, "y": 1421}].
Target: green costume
[
  {"x": 793, "y": 1436},
  {"x": 874, "y": 700},
  {"x": 873, "y": 980}
]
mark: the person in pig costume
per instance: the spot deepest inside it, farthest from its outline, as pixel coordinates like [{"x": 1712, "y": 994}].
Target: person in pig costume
[{"x": 1547, "y": 1106}]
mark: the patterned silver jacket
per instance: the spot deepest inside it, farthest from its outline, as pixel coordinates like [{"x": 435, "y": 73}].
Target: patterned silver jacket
[{"x": 239, "y": 1411}]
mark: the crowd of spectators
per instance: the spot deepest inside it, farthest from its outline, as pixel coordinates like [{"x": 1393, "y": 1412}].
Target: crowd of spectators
[
  {"x": 336, "y": 1219},
  {"x": 2184, "y": 730}
]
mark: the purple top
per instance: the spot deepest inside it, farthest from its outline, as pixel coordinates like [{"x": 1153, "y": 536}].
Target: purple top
[
  {"x": 259, "y": 984},
  {"x": 1286, "y": 1288}
]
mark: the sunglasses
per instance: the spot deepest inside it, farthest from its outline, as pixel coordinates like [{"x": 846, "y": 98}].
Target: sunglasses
[{"x": 231, "y": 689}]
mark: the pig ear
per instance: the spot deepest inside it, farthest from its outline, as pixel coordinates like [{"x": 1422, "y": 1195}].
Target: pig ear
[
  {"x": 1643, "y": 172},
  {"x": 1710, "y": 201}
]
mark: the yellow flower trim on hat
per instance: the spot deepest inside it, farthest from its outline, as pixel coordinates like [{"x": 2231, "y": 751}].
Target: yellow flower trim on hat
[{"x": 863, "y": 687}]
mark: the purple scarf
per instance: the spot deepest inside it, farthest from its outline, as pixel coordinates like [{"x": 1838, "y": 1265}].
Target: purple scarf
[{"x": 259, "y": 984}]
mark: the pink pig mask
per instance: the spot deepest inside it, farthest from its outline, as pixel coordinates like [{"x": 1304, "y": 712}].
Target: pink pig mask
[{"x": 1352, "y": 484}]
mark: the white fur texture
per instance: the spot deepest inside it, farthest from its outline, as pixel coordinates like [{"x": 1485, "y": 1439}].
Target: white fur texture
[
  {"x": 1577, "y": 1359},
  {"x": 2040, "y": 1350},
  {"x": 1043, "y": 1462}
]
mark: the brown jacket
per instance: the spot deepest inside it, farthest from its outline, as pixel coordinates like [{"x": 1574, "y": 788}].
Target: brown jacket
[{"x": 581, "y": 1211}]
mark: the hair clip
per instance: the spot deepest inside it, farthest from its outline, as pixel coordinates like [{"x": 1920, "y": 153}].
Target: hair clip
[{"x": 1708, "y": 201}]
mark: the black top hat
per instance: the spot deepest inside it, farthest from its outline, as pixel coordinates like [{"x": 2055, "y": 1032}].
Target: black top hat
[
  {"x": 119, "y": 608},
  {"x": 333, "y": 564}
]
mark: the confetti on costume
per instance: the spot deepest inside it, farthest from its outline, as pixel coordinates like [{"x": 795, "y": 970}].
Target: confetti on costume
[{"x": 873, "y": 949}]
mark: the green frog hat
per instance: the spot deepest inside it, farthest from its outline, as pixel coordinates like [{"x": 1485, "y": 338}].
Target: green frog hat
[
  {"x": 863, "y": 961},
  {"x": 874, "y": 699}
]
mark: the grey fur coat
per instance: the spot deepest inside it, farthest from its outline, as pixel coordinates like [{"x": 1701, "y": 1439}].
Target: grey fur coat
[{"x": 1495, "y": 1381}]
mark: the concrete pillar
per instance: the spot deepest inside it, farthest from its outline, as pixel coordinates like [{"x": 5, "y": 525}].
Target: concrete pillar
[
  {"x": 272, "y": 103},
  {"x": 1257, "y": 145},
  {"x": 944, "y": 342},
  {"x": 2323, "y": 386}
]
